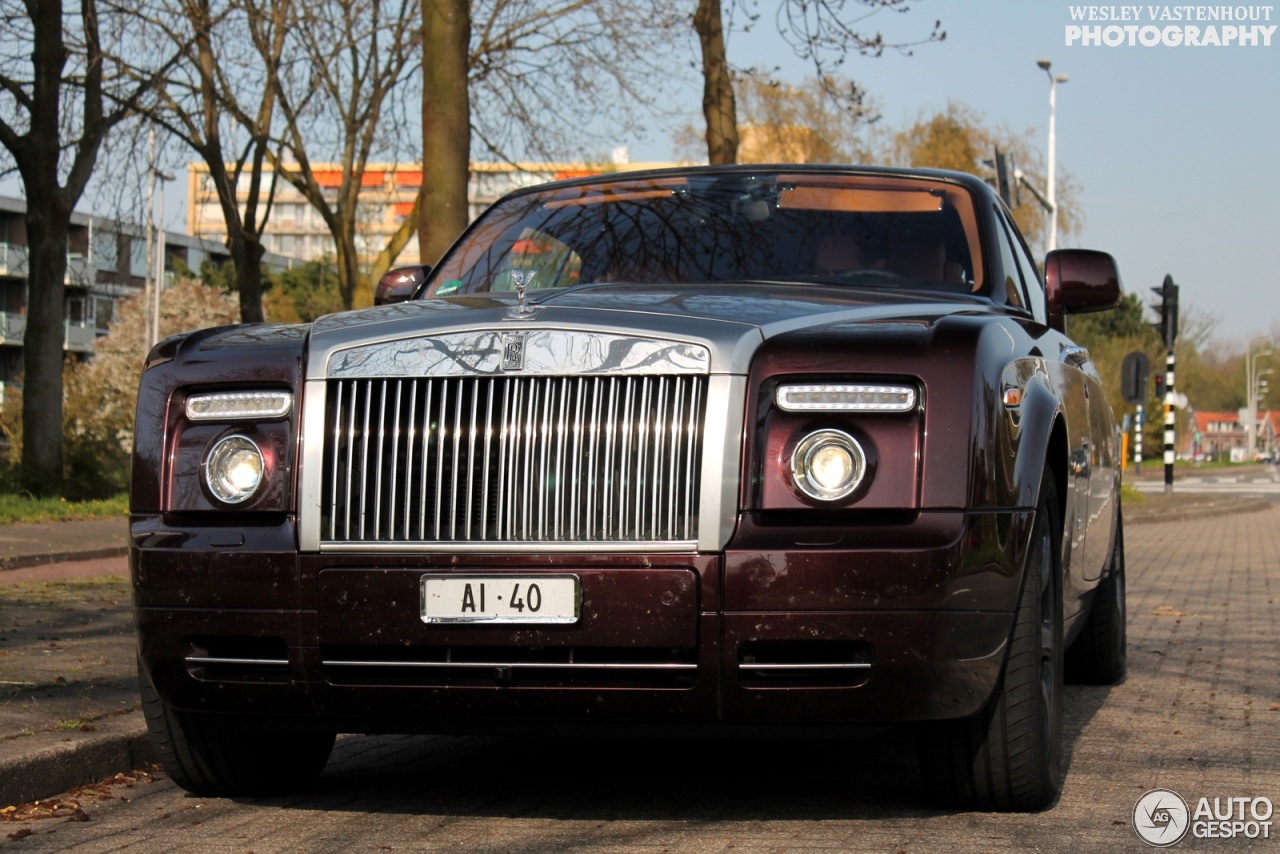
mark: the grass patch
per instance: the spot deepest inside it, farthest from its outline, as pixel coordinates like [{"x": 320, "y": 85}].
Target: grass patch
[
  {"x": 110, "y": 589},
  {"x": 19, "y": 508}
]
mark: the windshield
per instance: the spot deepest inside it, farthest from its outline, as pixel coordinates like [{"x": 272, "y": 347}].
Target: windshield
[{"x": 869, "y": 231}]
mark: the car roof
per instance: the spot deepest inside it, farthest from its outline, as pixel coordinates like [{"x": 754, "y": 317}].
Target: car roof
[{"x": 971, "y": 182}]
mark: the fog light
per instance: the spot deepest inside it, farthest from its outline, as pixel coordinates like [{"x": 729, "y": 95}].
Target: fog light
[
  {"x": 234, "y": 469},
  {"x": 828, "y": 465}
]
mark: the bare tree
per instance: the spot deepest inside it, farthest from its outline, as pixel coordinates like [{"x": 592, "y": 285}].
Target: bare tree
[
  {"x": 719, "y": 106},
  {"x": 821, "y": 32},
  {"x": 528, "y": 78},
  {"x": 216, "y": 102},
  {"x": 63, "y": 88},
  {"x": 354, "y": 57},
  {"x": 446, "y": 125},
  {"x": 782, "y": 122},
  {"x": 543, "y": 74}
]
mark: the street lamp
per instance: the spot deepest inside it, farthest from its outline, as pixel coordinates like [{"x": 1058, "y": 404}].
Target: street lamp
[
  {"x": 1252, "y": 378},
  {"x": 1054, "y": 80}
]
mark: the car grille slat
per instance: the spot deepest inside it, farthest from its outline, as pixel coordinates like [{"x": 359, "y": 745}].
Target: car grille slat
[{"x": 513, "y": 459}]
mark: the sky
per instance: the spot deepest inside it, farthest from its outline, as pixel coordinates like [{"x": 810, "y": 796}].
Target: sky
[{"x": 1176, "y": 150}]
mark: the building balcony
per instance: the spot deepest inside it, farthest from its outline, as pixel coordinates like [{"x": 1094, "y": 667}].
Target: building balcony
[
  {"x": 14, "y": 264},
  {"x": 76, "y": 337},
  {"x": 12, "y": 328},
  {"x": 80, "y": 273},
  {"x": 13, "y": 260}
]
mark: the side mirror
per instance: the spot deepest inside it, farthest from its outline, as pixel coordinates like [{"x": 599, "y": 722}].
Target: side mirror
[
  {"x": 400, "y": 284},
  {"x": 1078, "y": 281}
]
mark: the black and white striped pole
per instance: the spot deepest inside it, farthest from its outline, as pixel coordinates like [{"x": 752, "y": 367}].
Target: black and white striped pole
[
  {"x": 1168, "y": 329},
  {"x": 1133, "y": 388},
  {"x": 1137, "y": 438},
  {"x": 1170, "y": 417}
]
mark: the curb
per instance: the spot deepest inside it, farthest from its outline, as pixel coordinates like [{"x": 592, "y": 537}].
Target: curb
[
  {"x": 1200, "y": 511},
  {"x": 23, "y": 561},
  {"x": 117, "y": 744}
]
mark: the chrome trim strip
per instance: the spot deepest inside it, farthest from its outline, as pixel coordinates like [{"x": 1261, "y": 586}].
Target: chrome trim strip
[
  {"x": 311, "y": 467},
  {"x": 513, "y": 665},
  {"x": 547, "y": 352},
  {"x": 721, "y": 461},
  {"x": 834, "y": 666},
  {"x": 525, "y": 547},
  {"x": 199, "y": 659}
]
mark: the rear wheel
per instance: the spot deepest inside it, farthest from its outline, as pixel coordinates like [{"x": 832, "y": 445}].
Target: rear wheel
[
  {"x": 208, "y": 756},
  {"x": 1098, "y": 656},
  {"x": 1009, "y": 757}
]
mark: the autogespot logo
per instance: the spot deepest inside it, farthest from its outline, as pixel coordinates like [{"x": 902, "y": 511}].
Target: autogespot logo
[{"x": 1161, "y": 818}]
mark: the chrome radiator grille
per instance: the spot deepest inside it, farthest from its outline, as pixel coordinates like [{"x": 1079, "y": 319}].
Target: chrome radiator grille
[{"x": 513, "y": 459}]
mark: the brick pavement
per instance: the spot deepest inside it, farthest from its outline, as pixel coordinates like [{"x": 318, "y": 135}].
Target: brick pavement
[{"x": 1198, "y": 714}]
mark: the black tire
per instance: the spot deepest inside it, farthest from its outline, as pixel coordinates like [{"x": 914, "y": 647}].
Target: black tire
[
  {"x": 1009, "y": 757},
  {"x": 1099, "y": 655},
  {"x": 208, "y": 757}
]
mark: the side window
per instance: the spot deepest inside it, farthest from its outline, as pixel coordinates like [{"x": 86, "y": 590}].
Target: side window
[
  {"x": 1012, "y": 274},
  {"x": 1031, "y": 276}
]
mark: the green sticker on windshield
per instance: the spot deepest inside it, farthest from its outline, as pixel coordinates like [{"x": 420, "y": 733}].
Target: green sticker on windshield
[{"x": 448, "y": 289}]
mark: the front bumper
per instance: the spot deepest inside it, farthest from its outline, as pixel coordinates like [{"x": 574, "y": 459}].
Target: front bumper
[{"x": 892, "y": 623}]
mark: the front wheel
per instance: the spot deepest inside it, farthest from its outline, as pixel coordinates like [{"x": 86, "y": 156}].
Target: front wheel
[
  {"x": 208, "y": 756},
  {"x": 1009, "y": 757}
]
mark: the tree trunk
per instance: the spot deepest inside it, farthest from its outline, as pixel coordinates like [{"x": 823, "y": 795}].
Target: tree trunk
[
  {"x": 246, "y": 254},
  {"x": 446, "y": 126},
  {"x": 347, "y": 260},
  {"x": 718, "y": 105},
  {"x": 48, "y": 221},
  {"x": 47, "y": 231}
]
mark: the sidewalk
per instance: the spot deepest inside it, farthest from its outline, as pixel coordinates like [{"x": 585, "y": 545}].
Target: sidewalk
[
  {"x": 69, "y": 708},
  {"x": 68, "y": 678}
]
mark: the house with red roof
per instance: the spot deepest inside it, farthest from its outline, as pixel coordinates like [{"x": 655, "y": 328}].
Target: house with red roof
[{"x": 1219, "y": 435}]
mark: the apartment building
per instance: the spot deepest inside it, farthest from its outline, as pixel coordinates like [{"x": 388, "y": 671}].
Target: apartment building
[
  {"x": 106, "y": 260},
  {"x": 295, "y": 229}
]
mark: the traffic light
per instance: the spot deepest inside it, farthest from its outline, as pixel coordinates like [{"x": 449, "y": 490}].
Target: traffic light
[
  {"x": 1160, "y": 387},
  {"x": 1167, "y": 308}
]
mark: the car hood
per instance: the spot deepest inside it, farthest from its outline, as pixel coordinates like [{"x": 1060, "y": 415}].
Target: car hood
[{"x": 730, "y": 320}]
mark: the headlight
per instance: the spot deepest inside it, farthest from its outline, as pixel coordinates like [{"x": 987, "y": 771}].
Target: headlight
[
  {"x": 828, "y": 465},
  {"x": 234, "y": 469}
]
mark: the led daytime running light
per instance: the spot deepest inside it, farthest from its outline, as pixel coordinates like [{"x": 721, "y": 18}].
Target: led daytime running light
[
  {"x": 238, "y": 405},
  {"x": 844, "y": 397}
]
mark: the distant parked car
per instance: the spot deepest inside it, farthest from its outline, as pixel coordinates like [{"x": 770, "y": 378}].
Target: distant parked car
[{"x": 785, "y": 450}]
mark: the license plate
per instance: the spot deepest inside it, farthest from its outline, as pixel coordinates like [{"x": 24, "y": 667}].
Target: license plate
[{"x": 500, "y": 599}]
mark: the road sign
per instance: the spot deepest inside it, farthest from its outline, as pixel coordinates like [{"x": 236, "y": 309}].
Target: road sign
[{"x": 1133, "y": 377}]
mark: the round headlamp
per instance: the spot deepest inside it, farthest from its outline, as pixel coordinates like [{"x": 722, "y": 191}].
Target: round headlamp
[
  {"x": 234, "y": 469},
  {"x": 828, "y": 465}
]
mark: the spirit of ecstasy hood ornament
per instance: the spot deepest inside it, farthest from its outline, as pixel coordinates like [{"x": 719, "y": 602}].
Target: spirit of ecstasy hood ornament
[{"x": 523, "y": 311}]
